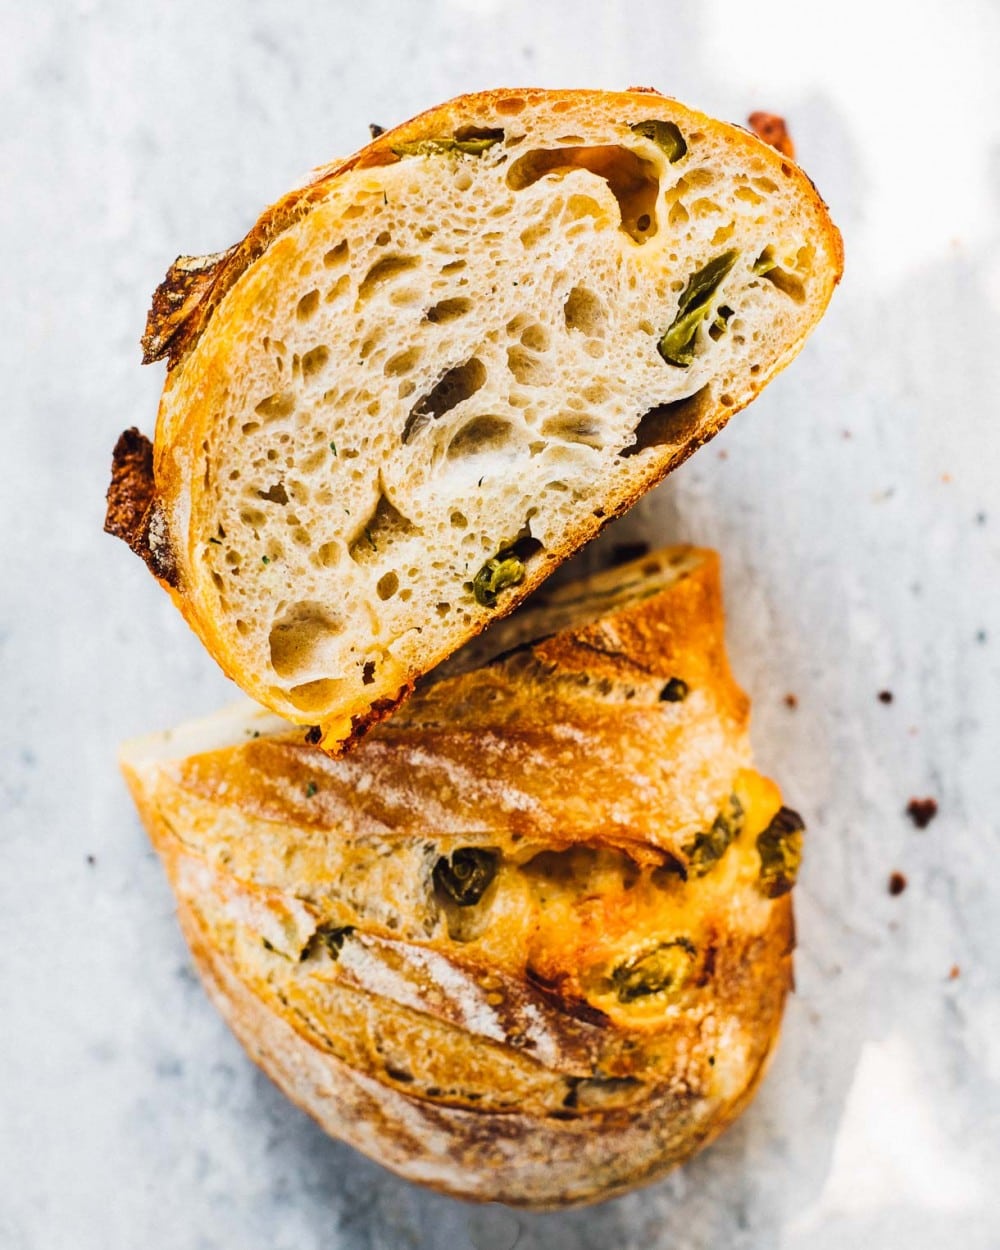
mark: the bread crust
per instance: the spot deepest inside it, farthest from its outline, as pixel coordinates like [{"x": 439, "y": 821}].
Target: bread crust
[
  {"x": 473, "y": 1050},
  {"x": 194, "y": 289}
]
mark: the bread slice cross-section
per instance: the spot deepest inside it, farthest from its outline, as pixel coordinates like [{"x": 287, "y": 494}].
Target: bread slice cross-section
[{"x": 429, "y": 375}]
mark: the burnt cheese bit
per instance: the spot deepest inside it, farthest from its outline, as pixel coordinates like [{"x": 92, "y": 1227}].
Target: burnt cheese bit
[
  {"x": 675, "y": 691},
  {"x": 922, "y": 811},
  {"x": 314, "y": 735},
  {"x": 329, "y": 938}
]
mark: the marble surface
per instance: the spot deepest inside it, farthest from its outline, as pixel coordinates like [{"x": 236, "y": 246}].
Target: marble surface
[{"x": 855, "y": 505}]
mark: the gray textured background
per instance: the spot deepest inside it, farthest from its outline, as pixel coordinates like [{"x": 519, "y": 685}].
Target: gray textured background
[{"x": 855, "y": 506}]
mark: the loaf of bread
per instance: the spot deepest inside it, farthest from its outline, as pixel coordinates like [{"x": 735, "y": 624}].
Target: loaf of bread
[
  {"x": 530, "y": 942},
  {"x": 429, "y": 375}
]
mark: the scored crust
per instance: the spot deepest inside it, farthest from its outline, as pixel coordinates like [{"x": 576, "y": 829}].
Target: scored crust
[
  {"x": 441, "y": 366},
  {"x": 606, "y": 999}
]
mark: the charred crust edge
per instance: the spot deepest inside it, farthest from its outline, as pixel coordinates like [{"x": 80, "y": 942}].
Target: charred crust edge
[
  {"x": 772, "y": 129},
  {"x": 569, "y": 1004},
  {"x": 133, "y": 512}
]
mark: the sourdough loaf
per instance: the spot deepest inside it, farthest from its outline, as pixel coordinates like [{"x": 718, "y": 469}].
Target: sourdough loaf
[
  {"x": 493, "y": 981},
  {"x": 434, "y": 371}
]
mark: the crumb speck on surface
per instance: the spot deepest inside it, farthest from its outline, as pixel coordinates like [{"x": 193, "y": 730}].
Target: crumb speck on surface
[
  {"x": 885, "y": 696},
  {"x": 897, "y": 883},
  {"x": 791, "y": 701},
  {"x": 922, "y": 811},
  {"x": 955, "y": 972}
]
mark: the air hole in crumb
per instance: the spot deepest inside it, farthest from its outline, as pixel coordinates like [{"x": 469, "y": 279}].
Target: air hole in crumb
[
  {"x": 336, "y": 255},
  {"x": 385, "y": 526},
  {"x": 329, "y": 554},
  {"x": 338, "y": 288},
  {"x": 459, "y": 520},
  {"x": 307, "y": 305},
  {"x": 303, "y": 639},
  {"x": 526, "y": 367},
  {"x": 314, "y": 360},
  {"x": 281, "y": 404},
  {"x": 478, "y": 436},
  {"x": 387, "y": 585},
  {"x": 382, "y": 271},
  {"x": 403, "y": 362},
  {"x": 382, "y": 238},
  {"x": 787, "y": 283},
  {"x": 668, "y": 425},
  {"x": 443, "y": 609},
  {"x": 447, "y": 310},
  {"x": 452, "y": 389},
  {"x": 633, "y": 181},
  {"x": 535, "y": 337}
]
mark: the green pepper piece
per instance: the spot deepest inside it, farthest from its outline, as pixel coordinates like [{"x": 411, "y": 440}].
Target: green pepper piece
[
  {"x": 780, "y": 851},
  {"x": 677, "y": 345},
  {"x": 706, "y": 849},
  {"x": 503, "y": 570},
  {"x": 435, "y": 147},
  {"x": 467, "y": 875},
  {"x": 764, "y": 263},
  {"x": 665, "y": 967},
  {"x": 665, "y": 135}
]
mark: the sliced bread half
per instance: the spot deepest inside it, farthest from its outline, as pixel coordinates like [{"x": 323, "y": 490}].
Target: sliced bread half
[{"x": 430, "y": 374}]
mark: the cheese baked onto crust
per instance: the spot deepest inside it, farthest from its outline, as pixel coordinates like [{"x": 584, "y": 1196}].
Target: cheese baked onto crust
[
  {"x": 435, "y": 371},
  {"x": 531, "y": 941}
]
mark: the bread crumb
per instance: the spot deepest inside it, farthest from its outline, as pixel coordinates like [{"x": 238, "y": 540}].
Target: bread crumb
[
  {"x": 897, "y": 883},
  {"x": 885, "y": 696},
  {"x": 922, "y": 811},
  {"x": 791, "y": 701},
  {"x": 955, "y": 973},
  {"x": 772, "y": 129}
]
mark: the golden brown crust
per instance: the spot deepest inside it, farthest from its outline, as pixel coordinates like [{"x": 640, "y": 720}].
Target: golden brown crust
[
  {"x": 194, "y": 286},
  {"x": 491, "y": 1050},
  {"x": 566, "y": 1159}
]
